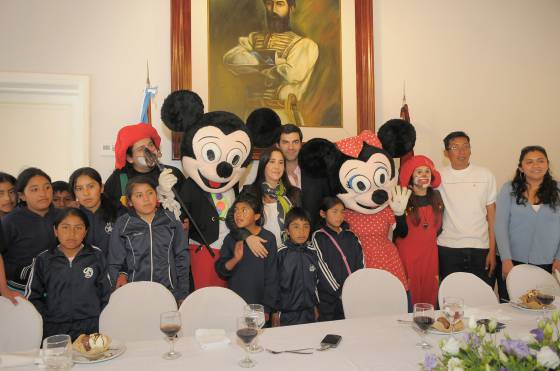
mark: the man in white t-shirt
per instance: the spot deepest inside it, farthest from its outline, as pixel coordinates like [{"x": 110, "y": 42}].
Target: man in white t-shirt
[{"x": 467, "y": 243}]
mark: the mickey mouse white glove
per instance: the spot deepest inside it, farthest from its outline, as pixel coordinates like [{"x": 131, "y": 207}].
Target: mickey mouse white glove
[
  {"x": 399, "y": 200},
  {"x": 166, "y": 180}
]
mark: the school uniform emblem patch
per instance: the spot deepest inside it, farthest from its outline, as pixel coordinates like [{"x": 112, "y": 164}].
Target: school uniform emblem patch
[
  {"x": 88, "y": 272},
  {"x": 108, "y": 227},
  {"x": 311, "y": 268}
]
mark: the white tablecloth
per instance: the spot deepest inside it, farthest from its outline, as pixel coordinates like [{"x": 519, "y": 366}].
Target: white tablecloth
[{"x": 375, "y": 343}]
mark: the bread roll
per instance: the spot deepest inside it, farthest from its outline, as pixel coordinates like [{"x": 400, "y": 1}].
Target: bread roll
[{"x": 93, "y": 344}]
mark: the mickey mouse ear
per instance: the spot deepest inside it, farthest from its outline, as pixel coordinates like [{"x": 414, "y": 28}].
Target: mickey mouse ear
[
  {"x": 318, "y": 157},
  {"x": 181, "y": 109},
  {"x": 397, "y": 136},
  {"x": 263, "y": 125}
]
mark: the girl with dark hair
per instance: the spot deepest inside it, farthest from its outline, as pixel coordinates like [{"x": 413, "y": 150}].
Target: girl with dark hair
[
  {"x": 28, "y": 229},
  {"x": 8, "y": 194},
  {"x": 417, "y": 230},
  {"x": 527, "y": 223},
  {"x": 102, "y": 213},
  {"x": 340, "y": 254},
  {"x": 273, "y": 187},
  {"x": 69, "y": 284}
]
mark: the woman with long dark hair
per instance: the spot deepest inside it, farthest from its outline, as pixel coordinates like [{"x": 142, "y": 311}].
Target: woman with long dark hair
[
  {"x": 273, "y": 187},
  {"x": 528, "y": 214}
]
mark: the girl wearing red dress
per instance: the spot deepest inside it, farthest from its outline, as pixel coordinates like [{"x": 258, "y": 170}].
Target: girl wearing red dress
[{"x": 416, "y": 240}]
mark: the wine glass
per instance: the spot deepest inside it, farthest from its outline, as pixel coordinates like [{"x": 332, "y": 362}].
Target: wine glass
[
  {"x": 170, "y": 325},
  {"x": 453, "y": 309},
  {"x": 545, "y": 297},
  {"x": 423, "y": 316},
  {"x": 247, "y": 331},
  {"x": 256, "y": 311},
  {"x": 57, "y": 352}
]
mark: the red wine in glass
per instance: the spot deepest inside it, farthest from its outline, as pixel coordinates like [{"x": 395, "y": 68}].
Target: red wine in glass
[
  {"x": 423, "y": 322},
  {"x": 247, "y": 335},
  {"x": 170, "y": 330}
]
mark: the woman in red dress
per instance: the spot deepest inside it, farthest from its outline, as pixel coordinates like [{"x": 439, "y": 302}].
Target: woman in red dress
[{"x": 417, "y": 236}]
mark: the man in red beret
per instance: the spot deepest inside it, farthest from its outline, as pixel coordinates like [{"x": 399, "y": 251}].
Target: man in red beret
[{"x": 131, "y": 142}]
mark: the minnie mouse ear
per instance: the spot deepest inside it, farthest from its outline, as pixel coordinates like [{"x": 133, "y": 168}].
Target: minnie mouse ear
[
  {"x": 181, "y": 109},
  {"x": 263, "y": 125},
  {"x": 397, "y": 136},
  {"x": 318, "y": 157}
]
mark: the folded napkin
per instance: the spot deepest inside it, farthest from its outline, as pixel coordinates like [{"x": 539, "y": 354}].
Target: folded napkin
[
  {"x": 14, "y": 360},
  {"x": 211, "y": 338}
]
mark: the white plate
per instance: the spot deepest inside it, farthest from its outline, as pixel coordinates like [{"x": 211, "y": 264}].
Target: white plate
[
  {"x": 523, "y": 307},
  {"x": 435, "y": 331},
  {"x": 116, "y": 349}
]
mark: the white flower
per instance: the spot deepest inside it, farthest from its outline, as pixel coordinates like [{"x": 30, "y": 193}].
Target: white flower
[
  {"x": 546, "y": 357},
  {"x": 454, "y": 364},
  {"x": 451, "y": 346}
]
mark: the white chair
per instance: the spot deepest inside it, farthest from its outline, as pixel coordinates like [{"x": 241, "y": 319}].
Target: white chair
[
  {"x": 134, "y": 309},
  {"x": 470, "y": 288},
  {"x": 525, "y": 277},
  {"x": 211, "y": 308},
  {"x": 370, "y": 292},
  {"x": 21, "y": 326}
]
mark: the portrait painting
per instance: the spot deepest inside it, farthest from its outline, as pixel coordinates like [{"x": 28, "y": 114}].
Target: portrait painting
[{"x": 281, "y": 54}]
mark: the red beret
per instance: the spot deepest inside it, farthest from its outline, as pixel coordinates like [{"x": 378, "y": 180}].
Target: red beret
[
  {"x": 129, "y": 135},
  {"x": 412, "y": 163}
]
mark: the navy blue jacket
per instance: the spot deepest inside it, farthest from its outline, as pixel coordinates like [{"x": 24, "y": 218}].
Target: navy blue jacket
[
  {"x": 332, "y": 267},
  {"x": 99, "y": 231},
  {"x": 64, "y": 291},
  {"x": 298, "y": 275},
  {"x": 26, "y": 234},
  {"x": 151, "y": 252},
  {"x": 253, "y": 278}
]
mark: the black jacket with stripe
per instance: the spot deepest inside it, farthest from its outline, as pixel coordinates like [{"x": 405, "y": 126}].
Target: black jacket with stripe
[
  {"x": 151, "y": 252},
  {"x": 67, "y": 291},
  {"x": 298, "y": 274},
  {"x": 333, "y": 269}
]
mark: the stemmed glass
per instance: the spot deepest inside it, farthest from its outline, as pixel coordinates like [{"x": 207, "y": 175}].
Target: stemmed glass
[
  {"x": 256, "y": 311},
  {"x": 545, "y": 297},
  {"x": 170, "y": 325},
  {"x": 57, "y": 352},
  {"x": 423, "y": 316},
  {"x": 453, "y": 309},
  {"x": 247, "y": 331}
]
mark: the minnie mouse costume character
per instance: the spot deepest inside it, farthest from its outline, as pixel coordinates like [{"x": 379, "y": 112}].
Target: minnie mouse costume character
[
  {"x": 215, "y": 151},
  {"x": 363, "y": 175}
]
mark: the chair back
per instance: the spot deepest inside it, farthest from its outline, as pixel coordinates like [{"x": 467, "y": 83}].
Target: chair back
[
  {"x": 470, "y": 288},
  {"x": 21, "y": 326},
  {"x": 525, "y": 277},
  {"x": 369, "y": 292},
  {"x": 211, "y": 308},
  {"x": 134, "y": 309}
]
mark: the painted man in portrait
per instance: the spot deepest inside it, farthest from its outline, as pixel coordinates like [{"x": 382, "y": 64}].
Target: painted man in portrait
[{"x": 275, "y": 64}]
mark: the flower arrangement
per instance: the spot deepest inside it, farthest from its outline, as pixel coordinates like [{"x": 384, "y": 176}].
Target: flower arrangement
[{"x": 479, "y": 349}]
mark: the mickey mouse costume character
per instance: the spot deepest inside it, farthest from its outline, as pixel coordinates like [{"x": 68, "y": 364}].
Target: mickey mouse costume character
[
  {"x": 215, "y": 150},
  {"x": 363, "y": 175}
]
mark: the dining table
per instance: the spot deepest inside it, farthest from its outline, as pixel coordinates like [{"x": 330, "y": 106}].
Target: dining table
[{"x": 382, "y": 342}]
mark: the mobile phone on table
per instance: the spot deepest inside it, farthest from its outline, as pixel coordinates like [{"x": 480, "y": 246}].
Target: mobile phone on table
[{"x": 331, "y": 341}]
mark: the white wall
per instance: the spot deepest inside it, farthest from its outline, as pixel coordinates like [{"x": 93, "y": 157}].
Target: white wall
[
  {"x": 490, "y": 68},
  {"x": 108, "y": 40}
]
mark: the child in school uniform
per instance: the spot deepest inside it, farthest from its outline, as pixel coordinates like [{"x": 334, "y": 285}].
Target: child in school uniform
[
  {"x": 298, "y": 274},
  {"x": 28, "y": 230},
  {"x": 148, "y": 243},
  {"x": 69, "y": 284},
  {"x": 340, "y": 254},
  {"x": 251, "y": 277}
]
